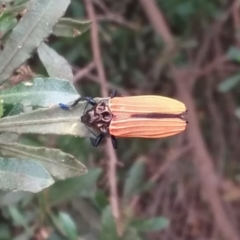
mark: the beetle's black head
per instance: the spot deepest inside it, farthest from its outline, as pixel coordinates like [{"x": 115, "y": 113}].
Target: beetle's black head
[
  {"x": 90, "y": 117},
  {"x": 98, "y": 117}
]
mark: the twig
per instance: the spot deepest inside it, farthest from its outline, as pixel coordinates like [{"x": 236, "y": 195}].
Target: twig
[
  {"x": 83, "y": 72},
  {"x": 110, "y": 86},
  {"x": 118, "y": 20},
  {"x": 203, "y": 160},
  {"x": 204, "y": 163},
  {"x": 110, "y": 151},
  {"x": 168, "y": 162},
  {"x": 112, "y": 16},
  {"x": 158, "y": 22},
  {"x": 174, "y": 156}
]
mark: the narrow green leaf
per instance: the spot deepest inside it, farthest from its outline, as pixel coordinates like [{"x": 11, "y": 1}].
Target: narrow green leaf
[
  {"x": 229, "y": 83},
  {"x": 59, "y": 164},
  {"x": 130, "y": 234},
  {"x": 33, "y": 28},
  {"x": 68, "y": 226},
  {"x": 67, "y": 27},
  {"x": 150, "y": 225},
  {"x": 20, "y": 220},
  {"x": 134, "y": 180},
  {"x": 56, "y": 222},
  {"x": 83, "y": 186},
  {"x": 17, "y": 216},
  {"x": 100, "y": 199},
  {"x": 108, "y": 226},
  {"x": 40, "y": 92},
  {"x": 53, "y": 120},
  {"x": 17, "y": 7},
  {"x": 16, "y": 109},
  {"x": 234, "y": 54},
  {"x": 19, "y": 175},
  {"x": 7, "y": 23},
  {"x": 1, "y": 107},
  {"x": 56, "y": 65}
]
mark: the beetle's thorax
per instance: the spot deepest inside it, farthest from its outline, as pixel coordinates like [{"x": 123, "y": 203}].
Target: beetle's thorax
[{"x": 98, "y": 117}]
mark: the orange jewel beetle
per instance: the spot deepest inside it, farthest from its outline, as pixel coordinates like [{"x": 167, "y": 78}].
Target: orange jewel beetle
[{"x": 135, "y": 116}]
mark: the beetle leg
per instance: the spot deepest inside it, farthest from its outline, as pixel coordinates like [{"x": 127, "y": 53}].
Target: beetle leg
[
  {"x": 64, "y": 106},
  {"x": 95, "y": 141},
  {"x": 113, "y": 94},
  {"x": 87, "y": 99},
  {"x": 114, "y": 142}
]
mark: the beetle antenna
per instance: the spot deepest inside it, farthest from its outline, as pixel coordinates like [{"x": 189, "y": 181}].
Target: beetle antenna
[{"x": 85, "y": 124}]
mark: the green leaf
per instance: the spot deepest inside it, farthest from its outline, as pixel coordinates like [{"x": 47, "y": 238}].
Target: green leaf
[
  {"x": 9, "y": 137},
  {"x": 7, "y": 23},
  {"x": 229, "y": 83},
  {"x": 68, "y": 226},
  {"x": 67, "y": 27},
  {"x": 59, "y": 164},
  {"x": 5, "y": 1},
  {"x": 84, "y": 186},
  {"x": 100, "y": 199},
  {"x": 234, "y": 54},
  {"x": 40, "y": 92},
  {"x": 56, "y": 65},
  {"x": 17, "y": 216},
  {"x": 23, "y": 175},
  {"x": 109, "y": 231},
  {"x": 20, "y": 220},
  {"x": 53, "y": 120},
  {"x": 1, "y": 107},
  {"x": 17, "y": 7},
  {"x": 150, "y": 225},
  {"x": 36, "y": 24},
  {"x": 5, "y": 232},
  {"x": 131, "y": 234},
  {"x": 134, "y": 180}
]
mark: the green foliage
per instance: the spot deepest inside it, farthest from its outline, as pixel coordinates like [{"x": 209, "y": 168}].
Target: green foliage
[
  {"x": 7, "y": 23},
  {"x": 41, "y": 92},
  {"x": 135, "y": 180},
  {"x": 1, "y": 107},
  {"x": 84, "y": 186},
  {"x": 67, "y": 27},
  {"x": 23, "y": 175},
  {"x": 109, "y": 231},
  {"x": 60, "y": 68},
  {"x": 229, "y": 83},
  {"x": 184, "y": 14},
  {"x": 65, "y": 225},
  {"x": 234, "y": 54},
  {"x": 25, "y": 167},
  {"x": 33, "y": 28},
  {"x": 149, "y": 225}
]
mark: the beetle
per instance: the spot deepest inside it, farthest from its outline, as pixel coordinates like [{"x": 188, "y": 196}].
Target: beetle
[{"x": 144, "y": 116}]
